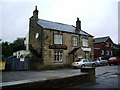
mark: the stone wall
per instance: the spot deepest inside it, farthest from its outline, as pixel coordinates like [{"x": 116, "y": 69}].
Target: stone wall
[
  {"x": 35, "y": 42},
  {"x": 46, "y": 38},
  {"x": 48, "y": 54}
]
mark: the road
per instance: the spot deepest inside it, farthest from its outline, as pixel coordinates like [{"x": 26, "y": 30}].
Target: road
[{"x": 106, "y": 77}]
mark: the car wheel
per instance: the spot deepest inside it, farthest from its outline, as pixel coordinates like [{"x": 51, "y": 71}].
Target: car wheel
[
  {"x": 93, "y": 65},
  {"x": 82, "y": 66},
  {"x": 74, "y": 67},
  {"x": 107, "y": 64}
]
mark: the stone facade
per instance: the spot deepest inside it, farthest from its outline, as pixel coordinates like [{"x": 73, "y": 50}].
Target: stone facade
[{"x": 54, "y": 45}]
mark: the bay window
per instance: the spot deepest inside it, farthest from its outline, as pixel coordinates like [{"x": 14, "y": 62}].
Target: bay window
[{"x": 84, "y": 42}]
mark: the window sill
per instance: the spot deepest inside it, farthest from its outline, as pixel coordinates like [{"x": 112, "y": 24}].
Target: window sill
[
  {"x": 74, "y": 46},
  {"x": 58, "y": 61},
  {"x": 85, "y": 46}
]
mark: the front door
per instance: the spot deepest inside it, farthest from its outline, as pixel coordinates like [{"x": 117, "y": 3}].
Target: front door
[
  {"x": 87, "y": 55},
  {"x": 71, "y": 58}
]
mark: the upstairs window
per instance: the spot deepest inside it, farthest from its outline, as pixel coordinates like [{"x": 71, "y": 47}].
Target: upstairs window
[
  {"x": 74, "y": 41},
  {"x": 111, "y": 45},
  {"x": 57, "y": 39},
  {"x": 84, "y": 42},
  {"x": 107, "y": 44}
]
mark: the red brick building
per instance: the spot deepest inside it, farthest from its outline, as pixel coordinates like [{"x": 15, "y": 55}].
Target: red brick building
[{"x": 103, "y": 46}]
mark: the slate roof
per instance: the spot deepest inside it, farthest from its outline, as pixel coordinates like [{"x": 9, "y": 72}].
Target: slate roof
[
  {"x": 74, "y": 50},
  {"x": 60, "y": 27},
  {"x": 101, "y": 39}
]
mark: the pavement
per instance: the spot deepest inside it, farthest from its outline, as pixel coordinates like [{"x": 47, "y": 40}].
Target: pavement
[
  {"x": 26, "y": 75},
  {"x": 20, "y": 77}
]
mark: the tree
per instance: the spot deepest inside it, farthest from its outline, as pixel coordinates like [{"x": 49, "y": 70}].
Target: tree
[
  {"x": 18, "y": 44},
  {"x": 9, "y": 48}
]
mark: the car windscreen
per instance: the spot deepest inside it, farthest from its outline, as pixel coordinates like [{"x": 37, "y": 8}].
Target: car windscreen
[
  {"x": 96, "y": 59},
  {"x": 86, "y": 60},
  {"x": 102, "y": 58},
  {"x": 112, "y": 58},
  {"x": 78, "y": 60}
]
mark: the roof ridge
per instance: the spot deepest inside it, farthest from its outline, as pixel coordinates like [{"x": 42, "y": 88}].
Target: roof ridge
[
  {"x": 102, "y": 37},
  {"x": 60, "y": 26}
]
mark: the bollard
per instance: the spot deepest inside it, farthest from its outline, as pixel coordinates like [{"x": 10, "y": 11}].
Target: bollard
[{"x": 91, "y": 73}]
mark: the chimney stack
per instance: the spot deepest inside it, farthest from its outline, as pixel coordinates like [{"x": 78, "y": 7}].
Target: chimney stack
[
  {"x": 78, "y": 24},
  {"x": 35, "y": 14}
]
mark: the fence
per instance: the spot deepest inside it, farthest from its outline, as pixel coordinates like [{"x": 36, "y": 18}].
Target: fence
[{"x": 16, "y": 64}]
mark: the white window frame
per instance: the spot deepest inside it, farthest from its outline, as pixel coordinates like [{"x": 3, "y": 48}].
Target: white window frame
[
  {"x": 85, "y": 42},
  {"x": 58, "y": 56},
  {"x": 107, "y": 44},
  {"x": 75, "y": 41},
  {"x": 58, "y": 39},
  {"x": 102, "y": 52},
  {"x": 111, "y": 44},
  {"x": 111, "y": 53}
]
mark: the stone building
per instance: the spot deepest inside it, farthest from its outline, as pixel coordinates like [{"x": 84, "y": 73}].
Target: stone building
[{"x": 58, "y": 43}]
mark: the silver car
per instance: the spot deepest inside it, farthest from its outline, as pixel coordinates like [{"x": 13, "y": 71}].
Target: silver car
[
  {"x": 83, "y": 63},
  {"x": 100, "y": 61}
]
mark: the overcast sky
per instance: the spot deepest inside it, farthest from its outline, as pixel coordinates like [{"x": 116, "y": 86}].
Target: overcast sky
[{"x": 98, "y": 17}]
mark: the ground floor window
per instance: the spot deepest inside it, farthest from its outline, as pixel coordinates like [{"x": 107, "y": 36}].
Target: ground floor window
[
  {"x": 107, "y": 52},
  {"x": 58, "y": 56},
  {"x": 102, "y": 52},
  {"x": 111, "y": 53}
]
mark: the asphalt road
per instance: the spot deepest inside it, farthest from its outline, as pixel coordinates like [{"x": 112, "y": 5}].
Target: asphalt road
[{"x": 106, "y": 77}]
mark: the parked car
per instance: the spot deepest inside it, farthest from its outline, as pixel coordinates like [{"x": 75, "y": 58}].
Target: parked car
[
  {"x": 100, "y": 61},
  {"x": 83, "y": 63},
  {"x": 114, "y": 60}
]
